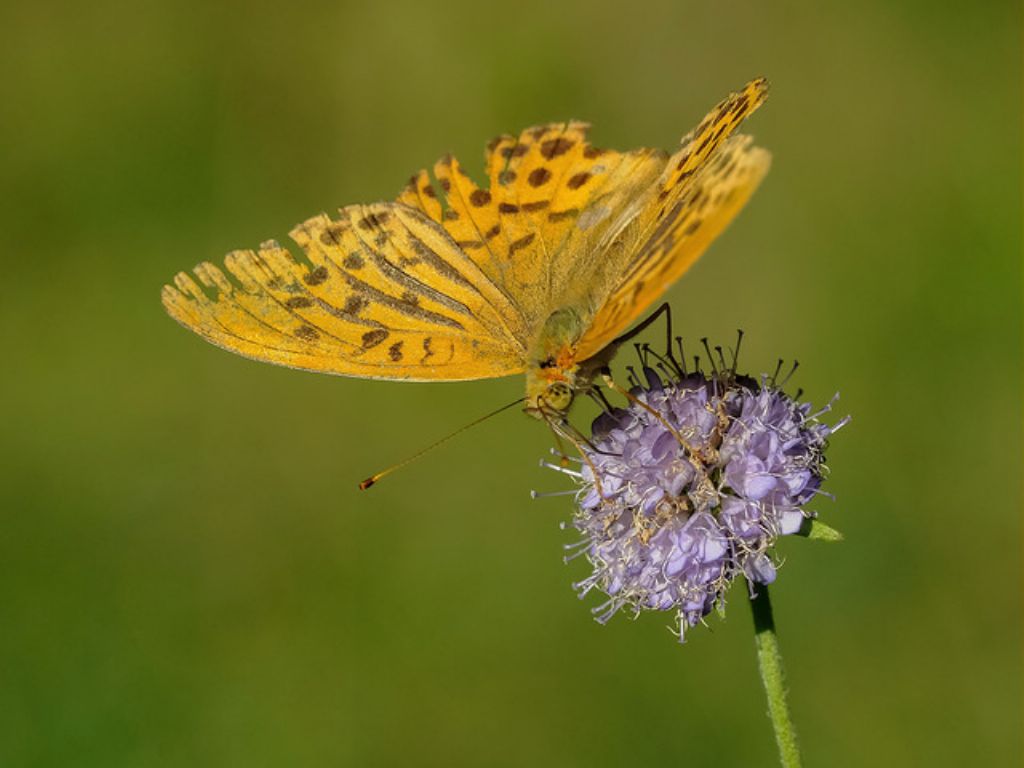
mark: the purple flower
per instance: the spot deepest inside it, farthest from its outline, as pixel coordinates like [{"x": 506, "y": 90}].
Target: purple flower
[{"x": 690, "y": 486}]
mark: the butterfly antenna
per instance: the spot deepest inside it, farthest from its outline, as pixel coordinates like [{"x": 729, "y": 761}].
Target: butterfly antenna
[{"x": 374, "y": 479}]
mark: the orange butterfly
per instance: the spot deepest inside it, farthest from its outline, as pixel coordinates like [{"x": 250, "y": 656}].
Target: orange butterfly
[{"x": 539, "y": 272}]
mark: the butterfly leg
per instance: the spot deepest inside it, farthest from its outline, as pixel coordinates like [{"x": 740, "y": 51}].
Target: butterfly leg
[
  {"x": 560, "y": 452},
  {"x": 562, "y": 429},
  {"x": 666, "y": 310},
  {"x": 691, "y": 452},
  {"x": 599, "y": 362}
]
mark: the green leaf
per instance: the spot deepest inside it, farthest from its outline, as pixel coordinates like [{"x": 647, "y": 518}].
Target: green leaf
[{"x": 812, "y": 528}]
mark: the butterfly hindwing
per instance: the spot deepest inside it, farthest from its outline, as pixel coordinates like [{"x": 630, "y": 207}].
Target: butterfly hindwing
[
  {"x": 386, "y": 294},
  {"x": 546, "y": 186}
]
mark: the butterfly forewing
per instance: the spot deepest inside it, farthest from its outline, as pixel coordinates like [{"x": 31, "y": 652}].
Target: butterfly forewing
[
  {"x": 703, "y": 186},
  {"x": 664, "y": 254}
]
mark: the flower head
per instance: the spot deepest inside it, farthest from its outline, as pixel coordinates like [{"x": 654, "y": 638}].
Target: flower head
[{"x": 690, "y": 485}]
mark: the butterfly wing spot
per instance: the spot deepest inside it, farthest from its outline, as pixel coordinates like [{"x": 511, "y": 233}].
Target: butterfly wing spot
[
  {"x": 578, "y": 180},
  {"x": 353, "y": 304},
  {"x": 427, "y": 351},
  {"x": 354, "y": 261},
  {"x": 552, "y": 148},
  {"x": 373, "y": 221},
  {"x": 539, "y": 177},
  {"x": 372, "y": 338},
  {"x": 331, "y": 236},
  {"x": 522, "y": 242},
  {"x": 556, "y": 216},
  {"x": 517, "y": 150},
  {"x": 317, "y": 276},
  {"x": 395, "y": 351}
]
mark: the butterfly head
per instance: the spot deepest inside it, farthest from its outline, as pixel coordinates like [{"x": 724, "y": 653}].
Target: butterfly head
[
  {"x": 550, "y": 389},
  {"x": 552, "y": 378}
]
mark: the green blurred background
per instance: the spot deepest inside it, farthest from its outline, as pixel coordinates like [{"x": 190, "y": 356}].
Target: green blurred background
[{"x": 189, "y": 575}]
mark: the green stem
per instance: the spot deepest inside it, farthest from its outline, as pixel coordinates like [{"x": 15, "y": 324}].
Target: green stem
[{"x": 769, "y": 659}]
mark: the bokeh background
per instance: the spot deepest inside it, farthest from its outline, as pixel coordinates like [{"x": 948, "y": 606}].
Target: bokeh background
[{"x": 188, "y": 575}]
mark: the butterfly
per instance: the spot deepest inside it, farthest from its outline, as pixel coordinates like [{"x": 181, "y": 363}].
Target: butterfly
[{"x": 538, "y": 272}]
